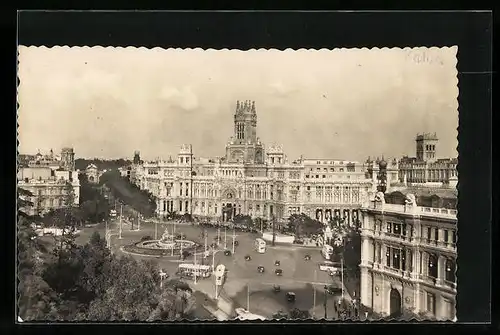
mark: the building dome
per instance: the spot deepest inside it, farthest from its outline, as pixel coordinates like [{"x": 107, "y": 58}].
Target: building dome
[{"x": 382, "y": 164}]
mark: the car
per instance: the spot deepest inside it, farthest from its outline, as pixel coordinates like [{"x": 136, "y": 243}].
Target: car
[
  {"x": 236, "y": 243},
  {"x": 227, "y": 252},
  {"x": 260, "y": 269},
  {"x": 248, "y": 258},
  {"x": 213, "y": 245},
  {"x": 276, "y": 288},
  {"x": 278, "y": 272},
  {"x": 333, "y": 273},
  {"x": 307, "y": 257},
  {"x": 277, "y": 263},
  {"x": 333, "y": 290},
  {"x": 290, "y": 296}
]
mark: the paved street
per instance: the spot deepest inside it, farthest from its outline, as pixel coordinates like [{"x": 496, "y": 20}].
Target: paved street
[{"x": 298, "y": 276}]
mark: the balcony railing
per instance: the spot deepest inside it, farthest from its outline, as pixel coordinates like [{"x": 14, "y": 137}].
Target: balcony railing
[{"x": 415, "y": 210}]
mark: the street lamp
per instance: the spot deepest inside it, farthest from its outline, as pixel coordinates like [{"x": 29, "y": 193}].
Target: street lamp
[
  {"x": 162, "y": 276},
  {"x": 213, "y": 257},
  {"x": 225, "y": 238},
  {"x": 234, "y": 238}
]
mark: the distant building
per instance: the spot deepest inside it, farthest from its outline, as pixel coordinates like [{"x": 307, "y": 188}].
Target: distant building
[
  {"x": 426, "y": 168},
  {"x": 408, "y": 253},
  {"x": 93, "y": 174},
  {"x": 50, "y": 181},
  {"x": 255, "y": 180}
]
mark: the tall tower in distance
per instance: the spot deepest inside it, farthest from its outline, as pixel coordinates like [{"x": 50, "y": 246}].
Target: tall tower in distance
[
  {"x": 137, "y": 157},
  {"x": 426, "y": 146},
  {"x": 68, "y": 159},
  {"x": 245, "y": 122}
]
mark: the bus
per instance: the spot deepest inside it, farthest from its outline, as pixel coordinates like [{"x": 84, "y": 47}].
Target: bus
[
  {"x": 191, "y": 270},
  {"x": 327, "y": 251},
  {"x": 220, "y": 274},
  {"x": 260, "y": 245}
]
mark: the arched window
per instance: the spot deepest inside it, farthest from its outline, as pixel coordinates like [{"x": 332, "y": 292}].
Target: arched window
[
  {"x": 432, "y": 266},
  {"x": 450, "y": 270}
]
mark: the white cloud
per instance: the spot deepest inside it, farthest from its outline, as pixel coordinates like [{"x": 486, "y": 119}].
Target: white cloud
[{"x": 184, "y": 98}]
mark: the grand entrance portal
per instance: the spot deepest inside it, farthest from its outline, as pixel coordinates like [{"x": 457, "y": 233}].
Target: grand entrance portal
[
  {"x": 228, "y": 212},
  {"x": 395, "y": 303}
]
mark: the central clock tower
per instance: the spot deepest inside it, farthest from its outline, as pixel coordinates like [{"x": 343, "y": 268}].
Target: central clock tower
[{"x": 244, "y": 146}]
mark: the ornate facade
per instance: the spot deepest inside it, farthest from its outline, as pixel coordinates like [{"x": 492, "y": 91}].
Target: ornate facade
[
  {"x": 408, "y": 258},
  {"x": 254, "y": 180},
  {"x": 426, "y": 167},
  {"x": 51, "y": 180}
]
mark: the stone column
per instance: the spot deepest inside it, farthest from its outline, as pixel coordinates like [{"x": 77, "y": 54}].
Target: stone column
[{"x": 365, "y": 254}]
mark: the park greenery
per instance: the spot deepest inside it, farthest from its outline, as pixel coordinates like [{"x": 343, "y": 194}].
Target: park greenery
[
  {"x": 86, "y": 282},
  {"x": 130, "y": 194}
]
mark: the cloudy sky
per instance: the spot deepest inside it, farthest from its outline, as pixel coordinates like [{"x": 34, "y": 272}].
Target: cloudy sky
[{"x": 341, "y": 104}]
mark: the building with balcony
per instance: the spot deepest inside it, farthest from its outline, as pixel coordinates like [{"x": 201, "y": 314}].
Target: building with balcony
[
  {"x": 408, "y": 255},
  {"x": 53, "y": 183},
  {"x": 256, "y": 180}
]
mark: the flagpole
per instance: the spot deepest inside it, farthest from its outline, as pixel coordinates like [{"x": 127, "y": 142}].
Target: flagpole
[{"x": 121, "y": 222}]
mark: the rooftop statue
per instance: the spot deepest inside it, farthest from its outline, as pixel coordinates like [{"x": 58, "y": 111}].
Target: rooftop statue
[
  {"x": 410, "y": 200},
  {"x": 379, "y": 197}
]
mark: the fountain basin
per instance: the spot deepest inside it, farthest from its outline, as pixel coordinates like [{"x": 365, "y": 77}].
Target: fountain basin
[{"x": 162, "y": 247}]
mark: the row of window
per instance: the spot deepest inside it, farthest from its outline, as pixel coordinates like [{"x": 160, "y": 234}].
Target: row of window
[
  {"x": 402, "y": 259},
  {"x": 406, "y": 230}
]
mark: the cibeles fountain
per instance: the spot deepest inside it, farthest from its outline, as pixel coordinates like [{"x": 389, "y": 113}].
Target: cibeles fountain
[{"x": 166, "y": 245}]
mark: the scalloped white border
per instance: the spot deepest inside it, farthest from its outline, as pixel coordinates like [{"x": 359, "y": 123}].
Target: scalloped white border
[{"x": 158, "y": 49}]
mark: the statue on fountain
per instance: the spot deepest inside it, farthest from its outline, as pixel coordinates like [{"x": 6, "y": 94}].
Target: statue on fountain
[{"x": 166, "y": 235}]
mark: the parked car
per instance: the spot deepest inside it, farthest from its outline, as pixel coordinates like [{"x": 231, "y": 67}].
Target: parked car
[
  {"x": 277, "y": 263},
  {"x": 276, "y": 288},
  {"x": 227, "y": 252},
  {"x": 278, "y": 272},
  {"x": 248, "y": 258},
  {"x": 260, "y": 269},
  {"x": 290, "y": 296}
]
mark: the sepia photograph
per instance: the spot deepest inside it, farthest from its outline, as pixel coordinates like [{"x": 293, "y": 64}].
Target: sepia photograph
[{"x": 201, "y": 184}]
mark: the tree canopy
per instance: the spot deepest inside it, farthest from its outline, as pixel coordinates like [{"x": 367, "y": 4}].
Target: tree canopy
[
  {"x": 303, "y": 225},
  {"x": 87, "y": 282}
]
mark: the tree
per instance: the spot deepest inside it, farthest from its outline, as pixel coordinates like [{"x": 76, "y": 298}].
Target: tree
[
  {"x": 36, "y": 300},
  {"x": 301, "y": 225},
  {"x": 299, "y": 314}
]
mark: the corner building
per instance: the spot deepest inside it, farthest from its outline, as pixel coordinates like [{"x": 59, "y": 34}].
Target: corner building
[
  {"x": 255, "y": 180},
  {"x": 408, "y": 257}
]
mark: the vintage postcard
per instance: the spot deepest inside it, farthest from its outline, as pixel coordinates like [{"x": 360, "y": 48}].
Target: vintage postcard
[{"x": 190, "y": 184}]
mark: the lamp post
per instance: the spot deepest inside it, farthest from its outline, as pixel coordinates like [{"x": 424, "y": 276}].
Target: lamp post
[
  {"x": 162, "y": 275},
  {"x": 218, "y": 236},
  {"x": 225, "y": 238},
  {"x": 121, "y": 221},
  {"x": 248, "y": 297},
  {"x": 234, "y": 239},
  {"x": 314, "y": 295},
  {"x": 195, "y": 269},
  {"x": 172, "y": 245},
  {"x": 342, "y": 274}
]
